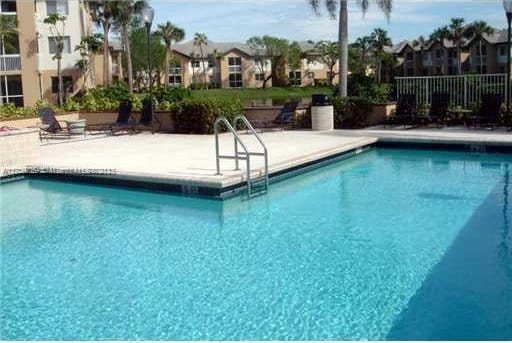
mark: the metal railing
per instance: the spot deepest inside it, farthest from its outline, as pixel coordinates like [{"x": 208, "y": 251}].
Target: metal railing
[
  {"x": 464, "y": 89},
  {"x": 244, "y": 155},
  {"x": 10, "y": 62}
]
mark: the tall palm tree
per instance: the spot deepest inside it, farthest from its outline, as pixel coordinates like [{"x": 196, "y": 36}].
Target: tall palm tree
[
  {"x": 379, "y": 40},
  {"x": 89, "y": 46},
  {"x": 169, "y": 33},
  {"x": 125, "y": 13},
  {"x": 57, "y": 25},
  {"x": 478, "y": 30},
  {"x": 341, "y": 6},
  {"x": 8, "y": 30},
  {"x": 201, "y": 40},
  {"x": 441, "y": 35},
  {"x": 103, "y": 13},
  {"x": 458, "y": 32}
]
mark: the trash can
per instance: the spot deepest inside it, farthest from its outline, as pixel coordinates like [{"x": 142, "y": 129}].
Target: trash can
[{"x": 322, "y": 113}]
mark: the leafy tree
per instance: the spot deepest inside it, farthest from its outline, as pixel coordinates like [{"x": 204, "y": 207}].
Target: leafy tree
[
  {"x": 327, "y": 53},
  {"x": 478, "y": 30},
  {"x": 103, "y": 13},
  {"x": 458, "y": 33},
  {"x": 276, "y": 50},
  {"x": 341, "y": 6},
  {"x": 169, "y": 33},
  {"x": 57, "y": 25},
  {"x": 363, "y": 45},
  {"x": 200, "y": 40},
  {"x": 379, "y": 40},
  {"x": 8, "y": 32},
  {"x": 124, "y": 14},
  {"x": 89, "y": 46},
  {"x": 138, "y": 37},
  {"x": 441, "y": 35}
]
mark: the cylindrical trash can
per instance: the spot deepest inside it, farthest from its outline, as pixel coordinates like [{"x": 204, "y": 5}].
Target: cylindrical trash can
[{"x": 322, "y": 113}]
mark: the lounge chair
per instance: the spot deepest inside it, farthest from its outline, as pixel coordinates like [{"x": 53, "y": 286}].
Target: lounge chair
[
  {"x": 282, "y": 120},
  {"x": 124, "y": 120},
  {"x": 489, "y": 113},
  {"x": 438, "y": 113},
  {"x": 406, "y": 111},
  {"x": 147, "y": 117},
  {"x": 50, "y": 127}
]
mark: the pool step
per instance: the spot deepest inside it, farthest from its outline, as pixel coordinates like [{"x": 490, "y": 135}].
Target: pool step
[{"x": 258, "y": 186}]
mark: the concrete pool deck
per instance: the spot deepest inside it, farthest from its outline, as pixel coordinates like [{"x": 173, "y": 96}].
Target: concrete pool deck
[{"x": 188, "y": 161}]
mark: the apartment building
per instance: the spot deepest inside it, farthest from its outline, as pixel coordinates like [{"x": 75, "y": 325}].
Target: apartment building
[
  {"x": 28, "y": 71},
  {"x": 237, "y": 65},
  {"x": 434, "y": 58}
]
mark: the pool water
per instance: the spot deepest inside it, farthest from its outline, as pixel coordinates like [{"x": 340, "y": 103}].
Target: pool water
[{"x": 390, "y": 244}]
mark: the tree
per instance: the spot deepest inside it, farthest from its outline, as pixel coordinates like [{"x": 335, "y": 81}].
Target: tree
[
  {"x": 458, "y": 32},
  {"x": 379, "y": 41},
  {"x": 363, "y": 44},
  {"x": 419, "y": 42},
  {"x": 441, "y": 35},
  {"x": 342, "y": 7},
  {"x": 124, "y": 14},
  {"x": 200, "y": 40},
  {"x": 8, "y": 31},
  {"x": 138, "y": 37},
  {"x": 89, "y": 46},
  {"x": 103, "y": 13},
  {"x": 57, "y": 24},
  {"x": 327, "y": 53},
  {"x": 169, "y": 33},
  {"x": 478, "y": 30},
  {"x": 276, "y": 51}
]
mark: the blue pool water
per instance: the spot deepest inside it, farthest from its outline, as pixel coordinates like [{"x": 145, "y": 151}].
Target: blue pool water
[{"x": 391, "y": 244}]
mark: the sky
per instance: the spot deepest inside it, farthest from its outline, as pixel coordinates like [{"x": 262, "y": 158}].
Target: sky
[{"x": 238, "y": 20}]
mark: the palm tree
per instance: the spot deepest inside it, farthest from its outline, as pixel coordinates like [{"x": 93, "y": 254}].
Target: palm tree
[
  {"x": 89, "y": 46},
  {"x": 200, "y": 39},
  {"x": 419, "y": 42},
  {"x": 57, "y": 26},
  {"x": 8, "y": 30},
  {"x": 458, "y": 32},
  {"x": 169, "y": 34},
  {"x": 363, "y": 44},
  {"x": 379, "y": 40},
  {"x": 342, "y": 7},
  {"x": 441, "y": 35},
  {"x": 125, "y": 12},
  {"x": 103, "y": 13},
  {"x": 478, "y": 30}
]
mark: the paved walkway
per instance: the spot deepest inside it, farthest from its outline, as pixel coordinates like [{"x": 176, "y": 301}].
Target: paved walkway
[{"x": 190, "y": 159}]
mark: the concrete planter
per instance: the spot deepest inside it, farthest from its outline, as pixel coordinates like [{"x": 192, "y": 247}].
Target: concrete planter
[
  {"x": 322, "y": 118},
  {"x": 76, "y": 127},
  {"x": 380, "y": 111}
]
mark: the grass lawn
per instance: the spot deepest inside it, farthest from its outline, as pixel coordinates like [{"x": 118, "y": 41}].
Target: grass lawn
[{"x": 247, "y": 94}]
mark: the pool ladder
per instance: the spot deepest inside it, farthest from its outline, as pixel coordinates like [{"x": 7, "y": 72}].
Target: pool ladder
[{"x": 255, "y": 185}]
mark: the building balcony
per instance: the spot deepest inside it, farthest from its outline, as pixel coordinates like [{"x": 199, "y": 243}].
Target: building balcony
[
  {"x": 10, "y": 63},
  {"x": 501, "y": 59}
]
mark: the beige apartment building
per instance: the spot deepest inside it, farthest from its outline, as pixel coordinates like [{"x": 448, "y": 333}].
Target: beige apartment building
[
  {"x": 237, "y": 65},
  {"x": 28, "y": 71},
  {"x": 441, "y": 59}
]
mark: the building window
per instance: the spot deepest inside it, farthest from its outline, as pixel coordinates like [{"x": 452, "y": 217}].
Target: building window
[
  {"x": 211, "y": 64},
  {"x": 8, "y": 6},
  {"x": 195, "y": 63},
  {"x": 57, "y": 6},
  {"x": 11, "y": 45},
  {"x": 175, "y": 78},
  {"x": 53, "y": 49},
  {"x": 502, "y": 51},
  {"x": 260, "y": 77},
  {"x": 409, "y": 56},
  {"x": 67, "y": 82},
  {"x": 295, "y": 78},
  {"x": 503, "y": 69},
  {"x": 438, "y": 53},
  {"x": 235, "y": 72},
  {"x": 12, "y": 89}
]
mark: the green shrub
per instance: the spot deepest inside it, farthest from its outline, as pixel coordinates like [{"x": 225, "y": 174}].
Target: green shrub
[
  {"x": 171, "y": 94},
  {"x": 105, "y": 99},
  {"x": 10, "y": 111},
  {"x": 198, "y": 115},
  {"x": 71, "y": 105},
  {"x": 362, "y": 86},
  {"x": 351, "y": 113}
]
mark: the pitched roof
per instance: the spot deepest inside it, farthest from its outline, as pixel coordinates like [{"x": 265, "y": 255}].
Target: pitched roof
[{"x": 191, "y": 50}]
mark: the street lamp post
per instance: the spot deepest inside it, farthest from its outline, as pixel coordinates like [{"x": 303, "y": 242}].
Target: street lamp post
[
  {"x": 507, "y": 5},
  {"x": 148, "y": 13}
]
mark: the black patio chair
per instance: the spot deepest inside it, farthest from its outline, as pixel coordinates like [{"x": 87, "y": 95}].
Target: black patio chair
[
  {"x": 283, "y": 120},
  {"x": 406, "y": 111},
  {"x": 147, "y": 117},
  {"x": 489, "y": 112},
  {"x": 438, "y": 113},
  {"x": 124, "y": 121},
  {"x": 50, "y": 126}
]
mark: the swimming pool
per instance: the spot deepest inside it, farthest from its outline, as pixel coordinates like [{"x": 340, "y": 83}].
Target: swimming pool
[{"x": 390, "y": 244}]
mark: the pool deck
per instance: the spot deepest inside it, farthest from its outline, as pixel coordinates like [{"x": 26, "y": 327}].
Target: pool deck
[{"x": 188, "y": 161}]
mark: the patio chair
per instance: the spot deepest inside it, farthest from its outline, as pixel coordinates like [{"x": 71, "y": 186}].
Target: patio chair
[
  {"x": 123, "y": 122},
  {"x": 489, "y": 113},
  {"x": 282, "y": 120},
  {"x": 406, "y": 111},
  {"x": 49, "y": 126},
  {"x": 438, "y": 113},
  {"x": 147, "y": 117}
]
